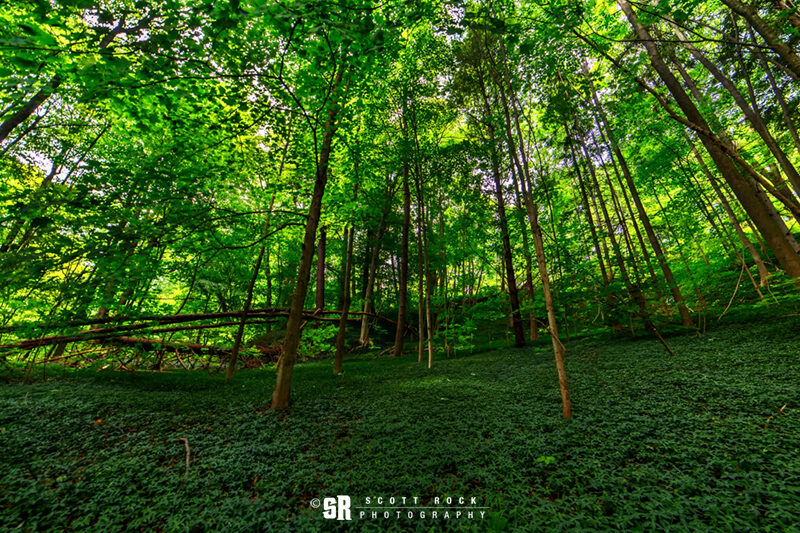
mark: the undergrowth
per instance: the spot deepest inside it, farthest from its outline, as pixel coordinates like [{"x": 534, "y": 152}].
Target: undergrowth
[{"x": 705, "y": 439}]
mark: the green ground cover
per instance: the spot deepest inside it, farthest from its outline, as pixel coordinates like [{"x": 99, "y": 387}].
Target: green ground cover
[{"x": 707, "y": 439}]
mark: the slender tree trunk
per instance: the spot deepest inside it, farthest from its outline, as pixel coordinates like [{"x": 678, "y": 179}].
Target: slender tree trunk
[
  {"x": 424, "y": 272},
  {"x": 634, "y": 290},
  {"x": 587, "y": 210},
  {"x": 420, "y": 288},
  {"x": 320, "y": 292},
  {"x": 628, "y": 212},
  {"x": 784, "y": 50},
  {"x": 778, "y": 92},
  {"x": 655, "y": 243},
  {"x": 402, "y": 297},
  {"x": 725, "y": 144},
  {"x": 28, "y": 109},
  {"x": 508, "y": 262},
  {"x": 428, "y": 291},
  {"x": 32, "y": 126},
  {"x": 237, "y": 343},
  {"x": 280, "y": 396},
  {"x": 749, "y": 112},
  {"x": 348, "y": 266},
  {"x": 39, "y": 98},
  {"x": 538, "y": 242},
  {"x": 762, "y": 269},
  {"x": 615, "y": 206},
  {"x": 771, "y": 227},
  {"x": 704, "y": 203},
  {"x": 513, "y": 291},
  {"x": 558, "y": 348},
  {"x": 368, "y": 290},
  {"x": 534, "y": 329}
]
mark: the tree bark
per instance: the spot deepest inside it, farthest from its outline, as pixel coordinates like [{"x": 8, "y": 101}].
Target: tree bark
[
  {"x": 587, "y": 211},
  {"x": 644, "y": 218},
  {"x": 424, "y": 272},
  {"x": 40, "y": 97},
  {"x": 348, "y": 266},
  {"x": 770, "y": 36},
  {"x": 319, "y": 296},
  {"x": 508, "y": 260},
  {"x": 237, "y": 343},
  {"x": 749, "y": 112},
  {"x": 28, "y": 109},
  {"x": 280, "y": 396},
  {"x": 420, "y": 291},
  {"x": 778, "y": 92},
  {"x": 368, "y": 289},
  {"x": 402, "y": 297},
  {"x": 541, "y": 260},
  {"x": 534, "y": 329},
  {"x": 538, "y": 243},
  {"x": 771, "y": 227},
  {"x": 634, "y": 289},
  {"x": 762, "y": 269}
]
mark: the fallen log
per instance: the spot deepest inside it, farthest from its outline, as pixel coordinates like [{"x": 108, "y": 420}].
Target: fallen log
[
  {"x": 173, "y": 346},
  {"x": 104, "y": 334},
  {"x": 174, "y": 319}
]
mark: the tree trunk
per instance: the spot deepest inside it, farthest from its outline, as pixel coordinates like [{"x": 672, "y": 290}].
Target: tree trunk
[
  {"x": 770, "y": 36},
  {"x": 534, "y": 329},
  {"x": 280, "y": 396},
  {"x": 750, "y": 113},
  {"x": 348, "y": 266},
  {"x": 538, "y": 243},
  {"x": 320, "y": 292},
  {"x": 558, "y": 348},
  {"x": 420, "y": 290},
  {"x": 39, "y": 98},
  {"x": 424, "y": 273},
  {"x": 368, "y": 289},
  {"x": 428, "y": 291},
  {"x": 508, "y": 261},
  {"x": 634, "y": 290},
  {"x": 402, "y": 297},
  {"x": 587, "y": 211},
  {"x": 644, "y": 218},
  {"x": 628, "y": 211},
  {"x": 237, "y": 343},
  {"x": 28, "y": 109},
  {"x": 772, "y": 228},
  {"x": 762, "y": 269},
  {"x": 778, "y": 92}
]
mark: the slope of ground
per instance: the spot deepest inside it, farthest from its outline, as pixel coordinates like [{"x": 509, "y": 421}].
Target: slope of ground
[{"x": 705, "y": 439}]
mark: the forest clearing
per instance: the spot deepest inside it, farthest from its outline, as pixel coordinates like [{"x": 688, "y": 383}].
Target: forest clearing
[{"x": 399, "y": 265}]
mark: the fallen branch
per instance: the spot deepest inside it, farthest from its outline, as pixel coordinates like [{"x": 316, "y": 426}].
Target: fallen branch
[
  {"x": 734, "y": 292},
  {"x": 264, "y": 312},
  {"x": 178, "y": 357},
  {"x": 188, "y": 455},
  {"x": 260, "y": 316},
  {"x": 176, "y": 346}
]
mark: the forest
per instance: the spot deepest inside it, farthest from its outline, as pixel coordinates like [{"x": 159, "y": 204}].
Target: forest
[{"x": 308, "y": 265}]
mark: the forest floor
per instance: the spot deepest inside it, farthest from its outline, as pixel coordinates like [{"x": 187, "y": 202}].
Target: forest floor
[{"x": 703, "y": 440}]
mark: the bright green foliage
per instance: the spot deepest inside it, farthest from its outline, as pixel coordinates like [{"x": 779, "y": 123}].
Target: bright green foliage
[{"x": 177, "y": 138}]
